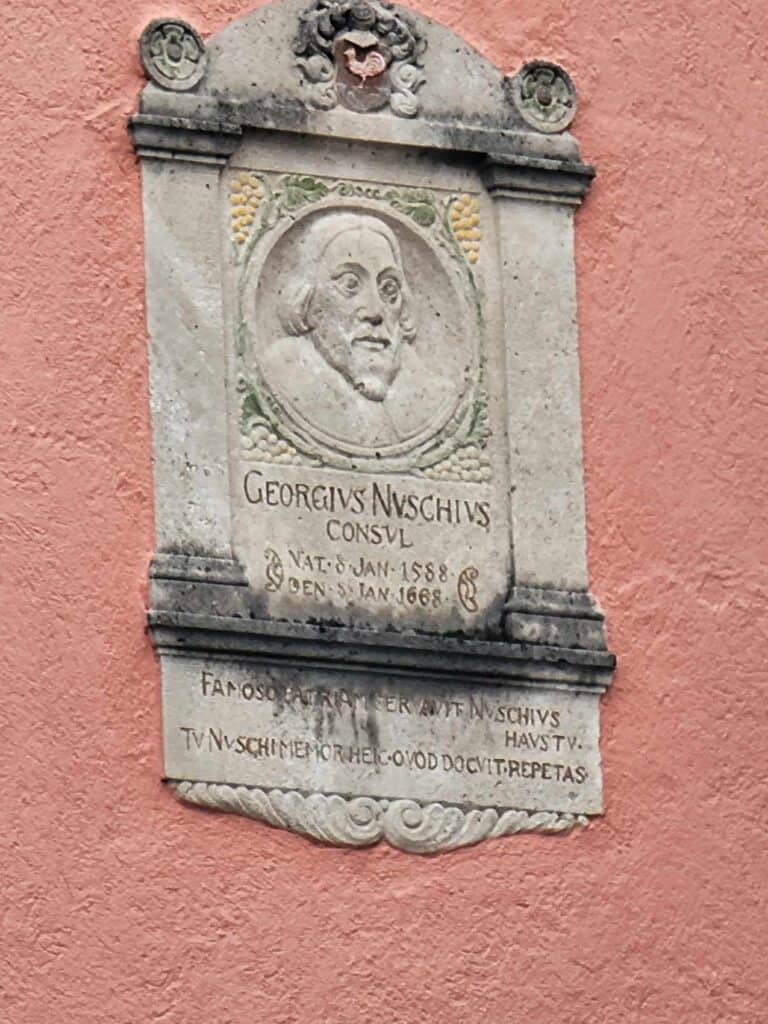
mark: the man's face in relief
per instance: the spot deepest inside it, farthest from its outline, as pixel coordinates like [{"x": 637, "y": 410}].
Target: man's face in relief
[{"x": 356, "y": 308}]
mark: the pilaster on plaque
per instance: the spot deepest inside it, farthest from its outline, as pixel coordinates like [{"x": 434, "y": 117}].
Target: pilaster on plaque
[{"x": 365, "y": 398}]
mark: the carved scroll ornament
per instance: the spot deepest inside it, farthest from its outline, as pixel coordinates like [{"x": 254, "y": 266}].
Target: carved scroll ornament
[
  {"x": 364, "y": 821},
  {"x": 361, "y": 54}
]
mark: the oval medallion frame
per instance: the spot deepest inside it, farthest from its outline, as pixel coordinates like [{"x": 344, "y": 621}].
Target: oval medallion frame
[{"x": 447, "y": 348}]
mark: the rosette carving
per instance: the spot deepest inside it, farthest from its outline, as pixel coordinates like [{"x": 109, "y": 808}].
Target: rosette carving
[
  {"x": 363, "y": 821},
  {"x": 545, "y": 96},
  {"x": 173, "y": 54}
]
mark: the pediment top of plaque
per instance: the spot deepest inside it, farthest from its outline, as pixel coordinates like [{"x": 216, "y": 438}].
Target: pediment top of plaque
[{"x": 365, "y": 69}]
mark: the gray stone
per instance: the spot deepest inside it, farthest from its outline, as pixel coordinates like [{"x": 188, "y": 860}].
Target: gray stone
[
  {"x": 414, "y": 534},
  {"x": 356, "y": 735},
  {"x": 191, "y": 616},
  {"x": 367, "y": 436},
  {"x": 544, "y": 95},
  {"x": 173, "y": 54},
  {"x": 256, "y": 79},
  {"x": 187, "y": 358},
  {"x": 363, "y": 821}
]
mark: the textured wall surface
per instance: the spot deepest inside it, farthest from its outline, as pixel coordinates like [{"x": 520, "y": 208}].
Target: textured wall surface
[{"x": 118, "y": 904}]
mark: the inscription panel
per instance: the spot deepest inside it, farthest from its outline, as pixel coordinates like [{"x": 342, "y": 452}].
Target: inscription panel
[
  {"x": 344, "y": 546},
  {"x": 320, "y": 731},
  {"x": 368, "y": 474}
]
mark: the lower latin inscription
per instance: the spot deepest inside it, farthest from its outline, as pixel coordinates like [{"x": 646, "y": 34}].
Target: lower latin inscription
[{"x": 321, "y": 731}]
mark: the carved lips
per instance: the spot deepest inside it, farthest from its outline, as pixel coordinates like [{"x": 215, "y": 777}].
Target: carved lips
[{"x": 373, "y": 343}]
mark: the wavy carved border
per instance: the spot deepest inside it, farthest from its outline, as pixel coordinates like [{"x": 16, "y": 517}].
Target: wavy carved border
[{"x": 364, "y": 821}]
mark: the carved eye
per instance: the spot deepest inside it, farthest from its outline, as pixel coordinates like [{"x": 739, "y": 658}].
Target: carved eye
[
  {"x": 349, "y": 283},
  {"x": 390, "y": 289}
]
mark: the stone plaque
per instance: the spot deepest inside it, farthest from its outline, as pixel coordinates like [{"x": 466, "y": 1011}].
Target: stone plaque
[
  {"x": 488, "y": 746},
  {"x": 369, "y": 594},
  {"x": 372, "y": 483}
]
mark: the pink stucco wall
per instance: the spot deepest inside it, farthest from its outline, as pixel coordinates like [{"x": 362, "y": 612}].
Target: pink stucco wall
[{"x": 118, "y": 904}]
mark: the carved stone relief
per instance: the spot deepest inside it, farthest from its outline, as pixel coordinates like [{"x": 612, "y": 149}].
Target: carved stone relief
[
  {"x": 545, "y": 96},
  {"x": 338, "y": 363},
  {"x": 362, "y": 821},
  {"x": 359, "y": 339},
  {"x": 370, "y": 592},
  {"x": 456, "y": 749},
  {"x": 364, "y": 54},
  {"x": 173, "y": 54}
]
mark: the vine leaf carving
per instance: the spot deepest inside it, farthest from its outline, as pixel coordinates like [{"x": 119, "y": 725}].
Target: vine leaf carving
[
  {"x": 251, "y": 408},
  {"x": 418, "y": 207},
  {"x": 302, "y": 189}
]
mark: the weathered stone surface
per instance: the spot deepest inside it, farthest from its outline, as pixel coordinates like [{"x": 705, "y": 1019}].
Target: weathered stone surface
[
  {"x": 187, "y": 358},
  {"x": 363, "y": 821},
  {"x": 358, "y": 734},
  {"x": 435, "y": 90},
  {"x": 544, "y": 95},
  {"x": 173, "y": 54},
  {"x": 369, "y": 476},
  {"x": 191, "y": 616},
  {"x": 367, "y": 433}
]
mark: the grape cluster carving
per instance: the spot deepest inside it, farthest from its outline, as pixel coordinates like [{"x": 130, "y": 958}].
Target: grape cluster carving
[
  {"x": 465, "y": 224},
  {"x": 247, "y": 194}
]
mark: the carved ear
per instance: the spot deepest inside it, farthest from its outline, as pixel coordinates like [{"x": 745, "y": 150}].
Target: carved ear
[
  {"x": 294, "y": 309},
  {"x": 408, "y": 326}
]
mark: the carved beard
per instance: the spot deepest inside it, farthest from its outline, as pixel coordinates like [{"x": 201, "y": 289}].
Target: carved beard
[
  {"x": 370, "y": 372},
  {"x": 371, "y": 388},
  {"x": 375, "y": 387}
]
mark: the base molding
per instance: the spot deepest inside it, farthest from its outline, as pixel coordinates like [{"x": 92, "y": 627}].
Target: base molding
[{"x": 364, "y": 821}]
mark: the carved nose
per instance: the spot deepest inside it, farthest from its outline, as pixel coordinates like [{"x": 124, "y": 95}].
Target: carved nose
[{"x": 373, "y": 318}]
